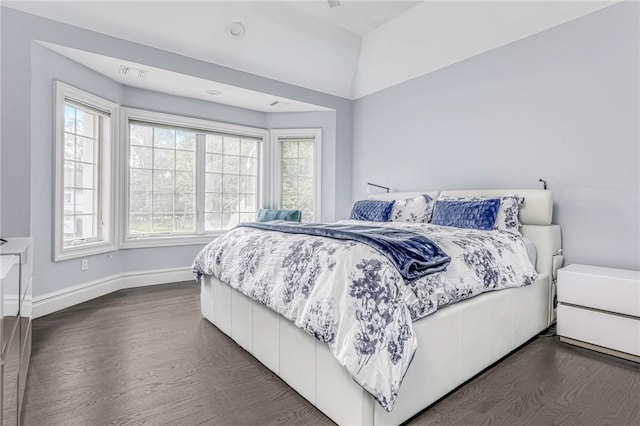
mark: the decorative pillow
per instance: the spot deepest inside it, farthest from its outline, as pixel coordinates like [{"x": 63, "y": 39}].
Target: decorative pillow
[
  {"x": 371, "y": 210},
  {"x": 480, "y": 214},
  {"x": 417, "y": 209},
  {"x": 508, "y": 213},
  {"x": 508, "y": 219},
  {"x": 266, "y": 215}
]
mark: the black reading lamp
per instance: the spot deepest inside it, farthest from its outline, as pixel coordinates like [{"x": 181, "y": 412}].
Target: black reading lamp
[{"x": 376, "y": 186}]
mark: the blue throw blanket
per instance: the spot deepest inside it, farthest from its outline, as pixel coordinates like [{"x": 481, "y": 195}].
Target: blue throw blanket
[{"x": 414, "y": 255}]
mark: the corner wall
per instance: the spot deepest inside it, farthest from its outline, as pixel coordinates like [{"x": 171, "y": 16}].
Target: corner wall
[
  {"x": 561, "y": 105},
  {"x": 48, "y": 67},
  {"x": 28, "y": 72}
]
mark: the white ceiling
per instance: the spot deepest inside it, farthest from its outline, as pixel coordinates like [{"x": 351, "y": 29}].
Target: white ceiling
[
  {"x": 357, "y": 17},
  {"x": 174, "y": 83},
  {"x": 436, "y": 34},
  {"x": 309, "y": 45},
  {"x": 350, "y": 51}
]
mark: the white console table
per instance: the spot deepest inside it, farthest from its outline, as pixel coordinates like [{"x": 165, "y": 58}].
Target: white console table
[{"x": 599, "y": 308}]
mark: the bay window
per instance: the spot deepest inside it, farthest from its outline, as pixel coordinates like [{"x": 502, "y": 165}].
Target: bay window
[
  {"x": 186, "y": 178},
  {"x": 163, "y": 180}
]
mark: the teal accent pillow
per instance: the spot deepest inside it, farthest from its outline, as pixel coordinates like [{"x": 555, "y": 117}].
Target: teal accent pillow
[{"x": 266, "y": 215}]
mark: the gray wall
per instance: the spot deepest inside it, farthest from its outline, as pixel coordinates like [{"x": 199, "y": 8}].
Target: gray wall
[
  {"x": 28, "y": 72},
  {"x": 48, "y": 67},
  {"x": 561, "y": 105}
]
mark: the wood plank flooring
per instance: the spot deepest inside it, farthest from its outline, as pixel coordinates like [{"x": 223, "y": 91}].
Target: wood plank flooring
[{"x": 146, "y": 356}]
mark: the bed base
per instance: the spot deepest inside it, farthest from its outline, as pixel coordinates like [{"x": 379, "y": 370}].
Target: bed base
[{"x": 454, "y": 344}]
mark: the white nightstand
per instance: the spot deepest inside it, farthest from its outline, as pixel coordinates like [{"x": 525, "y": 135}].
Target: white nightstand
[{"x": 599, "y": 309}]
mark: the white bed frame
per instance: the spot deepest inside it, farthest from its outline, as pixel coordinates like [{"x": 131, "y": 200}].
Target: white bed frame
[{"x": 454, "y": 344}]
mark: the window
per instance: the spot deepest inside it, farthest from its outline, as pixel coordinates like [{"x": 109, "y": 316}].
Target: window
[
  {"x": 231, "y": 181},
  {"x": 298, "y": 171},
  {"x": 162, "y": 180},
  {"x": 187, "y": 178},
  {"x": 83, "y": 186}
]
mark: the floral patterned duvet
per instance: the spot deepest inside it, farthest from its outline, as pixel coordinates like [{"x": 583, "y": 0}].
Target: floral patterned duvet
[{"x": 350, "y": 296}]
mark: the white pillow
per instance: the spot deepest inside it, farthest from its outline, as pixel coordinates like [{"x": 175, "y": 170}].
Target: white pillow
[
  {"x": 417, "y": 209},
  {"x": 508, "y": 213}
]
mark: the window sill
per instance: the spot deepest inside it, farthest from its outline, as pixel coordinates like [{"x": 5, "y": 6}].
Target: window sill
[
  {"x": 168, "y": 241},
  {"x": 84, "y": 250}
]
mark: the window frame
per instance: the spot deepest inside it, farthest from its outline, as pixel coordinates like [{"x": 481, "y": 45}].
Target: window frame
[
  {"x": 199, "y": 236},
  {"x": 107, "y": 149},
  {"x": 276, "y": 161}
]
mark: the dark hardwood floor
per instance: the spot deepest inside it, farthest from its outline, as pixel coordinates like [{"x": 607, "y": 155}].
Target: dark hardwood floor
[{"x": 146, "y": 356}]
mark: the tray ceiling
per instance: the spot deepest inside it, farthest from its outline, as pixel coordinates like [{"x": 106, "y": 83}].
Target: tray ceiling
[{"x": 350, "y": 51}]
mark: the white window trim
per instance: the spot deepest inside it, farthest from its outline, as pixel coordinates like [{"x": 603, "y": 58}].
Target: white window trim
[
  {"x": 108, "y": 177},
  {"x": 276, "y": 134},
  {"x": 127, "y": 114}
]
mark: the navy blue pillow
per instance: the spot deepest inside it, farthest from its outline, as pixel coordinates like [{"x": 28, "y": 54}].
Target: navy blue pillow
[
  {"x": 480, "y": 214},
  {"x": 372, "y": 210}
]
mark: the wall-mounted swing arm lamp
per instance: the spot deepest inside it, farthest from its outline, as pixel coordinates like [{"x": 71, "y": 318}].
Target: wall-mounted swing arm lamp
[
  {"x": 544, "y": 182},
  {"x": 369, "y": 185}
]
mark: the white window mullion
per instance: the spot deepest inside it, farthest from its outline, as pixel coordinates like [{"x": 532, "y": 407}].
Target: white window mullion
[
  {"x": 153, "y": 176},
  {"x": 276, "y": 175},
  {"x": 174, "y": 183},
  {"x": 200, "y": 181},
  {"x": 97, "y": 174},
  {"x": 264, "y": 196}
]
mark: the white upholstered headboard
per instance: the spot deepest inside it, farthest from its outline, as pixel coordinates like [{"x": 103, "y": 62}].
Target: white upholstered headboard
[
  {"x": 535, "y": 216},
  {"x": 537, "y": 208}
]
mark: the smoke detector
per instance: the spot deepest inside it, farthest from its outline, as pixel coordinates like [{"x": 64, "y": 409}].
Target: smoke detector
[
  {"x": 132, "y": 72},
  {"x": 236, "y": 30}
]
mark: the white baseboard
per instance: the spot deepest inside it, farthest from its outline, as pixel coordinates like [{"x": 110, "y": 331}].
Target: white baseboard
[{"x": 57, "y": 300}]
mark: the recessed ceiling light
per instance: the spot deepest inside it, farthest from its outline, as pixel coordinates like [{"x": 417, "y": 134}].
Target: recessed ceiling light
[
  {"x": 213, "y": 92},
  {"x": 236, "y": 30}
]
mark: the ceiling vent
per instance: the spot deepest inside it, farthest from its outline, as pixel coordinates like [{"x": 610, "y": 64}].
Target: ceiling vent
[
  {"x": 132, "y": 72},
  {"x": 333, "y": 3},
  {"x": 279, "y": 104}
]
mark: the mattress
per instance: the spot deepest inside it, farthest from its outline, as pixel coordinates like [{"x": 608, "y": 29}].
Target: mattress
[{"x": 532, "y": 251}]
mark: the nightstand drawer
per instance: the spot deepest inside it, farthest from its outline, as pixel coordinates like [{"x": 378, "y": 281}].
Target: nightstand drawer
[
  {"x": 618, "y": 332},
  {"x": 607, "y": 289}
]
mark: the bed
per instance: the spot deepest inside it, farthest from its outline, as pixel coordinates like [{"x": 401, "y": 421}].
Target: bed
[{"x": 454, "y": 343}]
